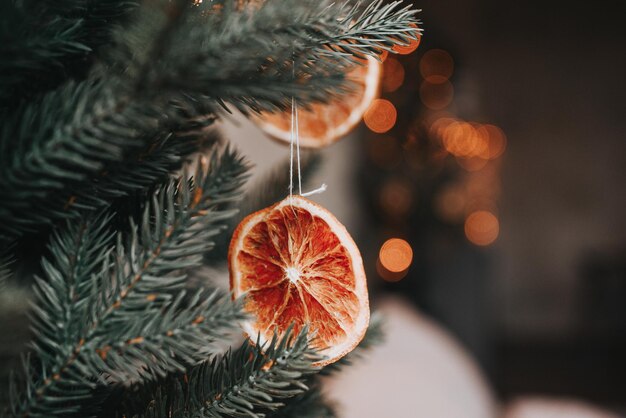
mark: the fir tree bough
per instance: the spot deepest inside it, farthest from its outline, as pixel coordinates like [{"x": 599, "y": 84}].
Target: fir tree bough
[
  {"x": 249, "y": 382},
  {"x": 41, "y": 40},
  {"x": 110, "y": 314},
  {"x": 102, "y": 102},
  {"x": 5, "y": 269},
  {"x": 172, "y": 65}
]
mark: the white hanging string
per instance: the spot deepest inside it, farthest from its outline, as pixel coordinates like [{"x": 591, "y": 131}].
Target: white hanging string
[
  {"x": 295, "y": 139},
  {"x": 295, "y": 105},
  {"x": 319, "y": 190},
  {"x": 291, "y": 151}
]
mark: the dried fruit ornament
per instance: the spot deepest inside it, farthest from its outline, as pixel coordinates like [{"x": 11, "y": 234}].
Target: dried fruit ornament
[
  {"x": 325, "y": 123},
  {"x": 295, "y": 264}
]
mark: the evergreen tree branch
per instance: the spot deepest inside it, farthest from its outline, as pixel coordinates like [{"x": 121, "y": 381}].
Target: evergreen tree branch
[
  {"x": 378, "y": 26},
  {"x": 177, "y": 228},
  {"x": 5, "y": 269},
  {"x": 107, "y": 313},
  {"x": 77, "y": 253},
  {"x": 144, "y": 168},
  {"x": 129, "y": 324},
  {"x": 42, "y": 42},
  {"x": 283, "y": 49},
  {"x": 310, "y": 404},
  {"x": 58, "y": 318},
  {"x": 170, "y": 397},
  {"x": 84, "y": 167},
  {"x": 248, "y": 382},
  {"x": 141, "y": 351},
  {"x": 167, "y": 67}
]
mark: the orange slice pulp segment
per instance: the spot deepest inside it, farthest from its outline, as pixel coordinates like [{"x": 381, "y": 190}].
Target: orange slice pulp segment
[{"x": 296, "y": 264}]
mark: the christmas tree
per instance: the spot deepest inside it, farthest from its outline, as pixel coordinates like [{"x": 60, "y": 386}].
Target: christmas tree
[{"x": 109, "y": 157}]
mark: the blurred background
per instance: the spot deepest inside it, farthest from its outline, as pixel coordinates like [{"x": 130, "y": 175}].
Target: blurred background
[
  {"x": 485, "y": 189},
  {"x": 495, "y": 162}
]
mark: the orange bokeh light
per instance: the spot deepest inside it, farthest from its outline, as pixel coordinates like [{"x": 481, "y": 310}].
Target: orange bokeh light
[
  {"x": 436, "y": 96},
  {"x": 436, "y": 66},
  {"x": 496, "y": 140},
  {"x": 467, "y": 141},
  {"x": 482, "y": 228},
  {"x": 394, "y": 259},
  {"x": 439, "y": 125},
  {"x": 393, "y": 75},
  {"x": 380, "y": 116}
]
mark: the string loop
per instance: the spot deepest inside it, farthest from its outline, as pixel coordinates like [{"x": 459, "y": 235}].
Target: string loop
[{"x": 295, "y": 140}]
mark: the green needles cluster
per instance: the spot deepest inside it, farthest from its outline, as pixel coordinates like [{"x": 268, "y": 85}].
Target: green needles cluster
[{"x": 104, "y": 107}]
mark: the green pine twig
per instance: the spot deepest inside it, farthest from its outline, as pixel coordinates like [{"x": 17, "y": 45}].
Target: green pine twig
[
  {"x": 100, "y": 321},
  {"x": 42, "y": 42},
  {"x": 85, "y": 167},
  {"x": 6, "y": 260},
  {"x": 249, "y": 382},
  {"x": 284, "y": 49},
  {"x": 173, "y": 62},
  {"x": 145, "y": 168},
  {"x": 310, "y": 404}
]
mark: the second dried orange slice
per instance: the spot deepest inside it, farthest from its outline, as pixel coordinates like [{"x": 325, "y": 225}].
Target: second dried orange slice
[
  {"x": 295, "y": 263},
  {"x": 325, "y": 123}
]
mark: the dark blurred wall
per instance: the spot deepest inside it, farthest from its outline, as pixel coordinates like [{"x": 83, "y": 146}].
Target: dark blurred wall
[{"x": 551, "y": 74}]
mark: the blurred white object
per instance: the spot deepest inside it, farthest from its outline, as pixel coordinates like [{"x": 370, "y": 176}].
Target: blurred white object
[
  {"x": 419, "y": 371},
  {"x": 553, "y": 408}
]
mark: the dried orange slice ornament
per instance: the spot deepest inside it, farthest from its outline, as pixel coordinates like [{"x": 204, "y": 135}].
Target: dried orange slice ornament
[
  {"x": 325, "y": 123},
  {"x": 294, "y": 263}
]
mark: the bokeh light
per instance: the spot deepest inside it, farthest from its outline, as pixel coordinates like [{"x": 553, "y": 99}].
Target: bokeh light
[
  {"x": 394, "y": 259},
  {"x": 380, "y": 116},
  {"x": 495, "y": 138},
  {"x": 482, "y": 227},
  {"x": 462, "y": 140},
  {"x": 437, "y": 128},
  {"x": 436, "y": 96},
  {"x": 393, "y": 75},
  {"x": 436, "y": 66},
  {"x": 470, "y": 140}
]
